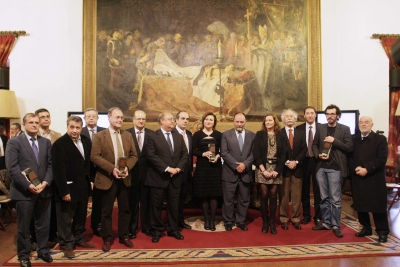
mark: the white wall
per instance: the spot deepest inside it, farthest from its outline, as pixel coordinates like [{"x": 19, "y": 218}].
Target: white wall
[
  {"x": 46, "y": 65},
  {"x": 355, "y": 67}
]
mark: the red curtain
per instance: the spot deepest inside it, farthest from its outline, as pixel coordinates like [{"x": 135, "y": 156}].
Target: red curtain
[
  {"x": 394, "y": 123},
  {"x": 6, "y": 44}
]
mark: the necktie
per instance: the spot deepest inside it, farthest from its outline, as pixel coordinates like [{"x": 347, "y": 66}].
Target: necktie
[
  {"x": 79, "y": 148},
  {"x": 170, "y": 144},
  {"x": 240, "y": 139},
  {"x": 35, "y": 149},
  {"x": 139, "y": 140},
  {"x": 310, "y": 141},
  {"x": 119, "y": 146},
  {"x": 185, "y": 139},
  {"x": 91, "y": 134},
  {"x": 291, "y": 138}
]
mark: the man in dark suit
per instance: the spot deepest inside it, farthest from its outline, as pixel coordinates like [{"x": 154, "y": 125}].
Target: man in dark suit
[
  {"x": 108, "y": 148},
  {"x": 182, "y": 119},
  {"x": 91, "y": 128},
  {"x": 167, "y": 156},
  {"x": 293, "y": 172},
  {"x": 138, "y": 191},
  {"x": 309, "y": 173},
  {"x": 34, "y": 152},
  {"x": 15, "y": 130},
  {"x": 237, "y": 172},
  {"x": 331, "y": 167},
  {"x": 367, "y": 166},
  {"x": 3, "y": 144},
  {"x": 71, "y": 172}
]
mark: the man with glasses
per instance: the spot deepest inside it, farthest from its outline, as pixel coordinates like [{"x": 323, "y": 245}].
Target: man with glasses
[
  {"x": 108, "y": 148},
  {"x": 331, "y": 144},
  {"x": 91, "y": 128},
  {"x": 138, "y": 191}
]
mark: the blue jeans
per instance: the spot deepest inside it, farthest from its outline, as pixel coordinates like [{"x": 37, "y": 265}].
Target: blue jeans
[{"x": 330, "y": 186}]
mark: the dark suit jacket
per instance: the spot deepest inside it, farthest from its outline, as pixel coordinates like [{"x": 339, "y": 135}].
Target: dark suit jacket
[
  {"x": 342, "y": 145},
  {"x": 159, "y": 157},
  {"x": 139, "y": 171},
  {"x": 4, "y": 139},
  {"x": 104, "y": 158},
  {"x": 369, "y": 192},
  {"x": 71, "y": 171},
  {"x": 297, "y": 153},
  {"x": 260, "y": 150},
  {"x": 19, "y": 156},
  {"x": 187, "y": 172},
  {"x": 230, "y": 152},
  {"x": 86, "y": 133},
  {"x": 302, "y": 127}
]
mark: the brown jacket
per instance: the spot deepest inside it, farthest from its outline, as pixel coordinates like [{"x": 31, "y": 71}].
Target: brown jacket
[
  {"x": 53, "y": 136},
  {"x": 103, "y": 157}
]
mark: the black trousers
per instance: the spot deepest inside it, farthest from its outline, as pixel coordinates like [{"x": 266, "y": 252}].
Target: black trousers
[
  {"x": 145, "y": 207},
  {"x": 96, "y": 208},
  {"x": 380, "y": 220},
  {"x": 134, "y": 199},
  {"x": 182, "y": 200},
  {"x": 119, "y": 191},
  {"x": 157, "y": 197},
  {"x": 310, "y": 174},
  {"x": 71, "y": 219}
]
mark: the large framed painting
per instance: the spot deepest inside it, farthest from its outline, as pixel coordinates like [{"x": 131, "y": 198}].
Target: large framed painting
[{"x": 252, "y": 56}]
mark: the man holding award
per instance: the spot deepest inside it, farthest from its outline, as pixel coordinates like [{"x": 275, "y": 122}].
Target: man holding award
[
  {"x": 114, "y": 154},
  {"x": 331, "y": 144},
  {"x": 28, "y": 159}
]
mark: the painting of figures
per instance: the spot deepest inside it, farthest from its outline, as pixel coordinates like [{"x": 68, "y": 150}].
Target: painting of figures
[{"x": 202, "y": 55}]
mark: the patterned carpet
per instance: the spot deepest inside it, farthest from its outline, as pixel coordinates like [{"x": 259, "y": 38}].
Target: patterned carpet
[{"x": 366, "y": 247}]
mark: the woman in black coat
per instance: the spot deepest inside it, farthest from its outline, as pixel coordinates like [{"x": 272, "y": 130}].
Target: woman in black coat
[{"x": 269, "y": 157}]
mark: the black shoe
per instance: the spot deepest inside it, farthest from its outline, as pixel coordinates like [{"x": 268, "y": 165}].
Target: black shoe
[
  {"x": 317, "y": 221},
  {"x": 185, "y": 225},
  {"x": 45, "y": 257},
  {"x": 228, "y": 227},
  {"x": 33, "y": 246},
  {"x": 212, "y": 226},
  {"x": 25, "y": 263},
  {"x": 176, "y": 235},
  {"x": 132, "y": 235},
  {"x": 305, "y": 220},
  {"x": 297, "y": 225},
  {"x": 320, "y": 227},
  {"x": 264, "y": 228},
  {"x": 382, "y": 238},
  {"x": 285, "y": 226},
  {"x": 242, "y": 226},
  {"x": 147, "y": 232},
  {"x": 363, "y": 232},
  {"x": 206, "y": 225},
  {"x": 272, "y": 228},
  {"x": 155, "y": 239}
]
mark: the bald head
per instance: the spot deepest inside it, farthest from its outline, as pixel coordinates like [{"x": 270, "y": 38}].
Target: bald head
[{"x": 365, "y": 125}]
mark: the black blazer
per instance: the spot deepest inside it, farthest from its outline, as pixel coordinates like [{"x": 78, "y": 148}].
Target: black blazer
[
  {"x": 4, "y": 139},
  {"x": 298, "y": 152},
  {"x": 187, "y": 172},
  {"x": 71, "y": 171},
  {"x": 260, "y": 150},
  {"x": 86, "y": 133},
  {"x": 139, "y": 171},
  {"x": 159, "y": 157}
]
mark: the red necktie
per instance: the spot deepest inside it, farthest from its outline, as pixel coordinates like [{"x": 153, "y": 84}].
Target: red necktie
[{"x": 291, "y": 138}]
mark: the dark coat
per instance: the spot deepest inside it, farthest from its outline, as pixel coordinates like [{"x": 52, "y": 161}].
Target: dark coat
[
  {"x": 159, "y": 157},
  {"x": 139, "y": 171},
  {"x": 369, "y": 192},
  {"x": 298, "y": 153},
  {"x": 71, "y": 171},
  {"x": 260, "y": 150},
  {"x": 187, "y": 172}
]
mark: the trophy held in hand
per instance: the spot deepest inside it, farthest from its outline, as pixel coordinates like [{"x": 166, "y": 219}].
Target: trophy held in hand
[
  {"x": 211, "y": 148},
  {"x": 32, "y": 177},
  {"x": 121, "y": 166},
  {"x": 326, "y": 150}
]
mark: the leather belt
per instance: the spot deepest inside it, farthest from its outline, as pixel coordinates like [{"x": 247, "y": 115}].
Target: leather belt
[{"x": 271, "y": 161}]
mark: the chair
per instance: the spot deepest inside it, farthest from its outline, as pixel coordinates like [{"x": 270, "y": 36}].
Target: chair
[
  {"x": 5, "y": 200},
  {"x": 392, "y": 183}
]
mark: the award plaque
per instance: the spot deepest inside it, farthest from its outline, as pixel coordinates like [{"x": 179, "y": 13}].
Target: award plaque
[
  {"x": 326, "y": 150},
  {"x": 121, "y": 166},
  {"x": 32, "y": 177},
  {"x": 211, "y": 148}
]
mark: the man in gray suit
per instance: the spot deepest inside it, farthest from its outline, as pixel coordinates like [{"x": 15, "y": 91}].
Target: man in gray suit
[
  {"x": 331, "y": 167},
  {"x": 34, "y": 152},
  {"x": 236, "y": 150}
]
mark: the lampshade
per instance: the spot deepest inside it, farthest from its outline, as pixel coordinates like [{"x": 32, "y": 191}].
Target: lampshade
[{"x": 8, "y": 105}]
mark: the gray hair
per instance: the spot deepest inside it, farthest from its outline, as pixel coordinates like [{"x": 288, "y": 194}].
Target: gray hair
[
  {"x": 110, "y": 111},
  {"x": 289, "y": 109},
  {"x": 91, "y": 109}
]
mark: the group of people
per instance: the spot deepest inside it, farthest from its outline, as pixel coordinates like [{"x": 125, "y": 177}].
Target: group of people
[{"x": 141, "y": 168}]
